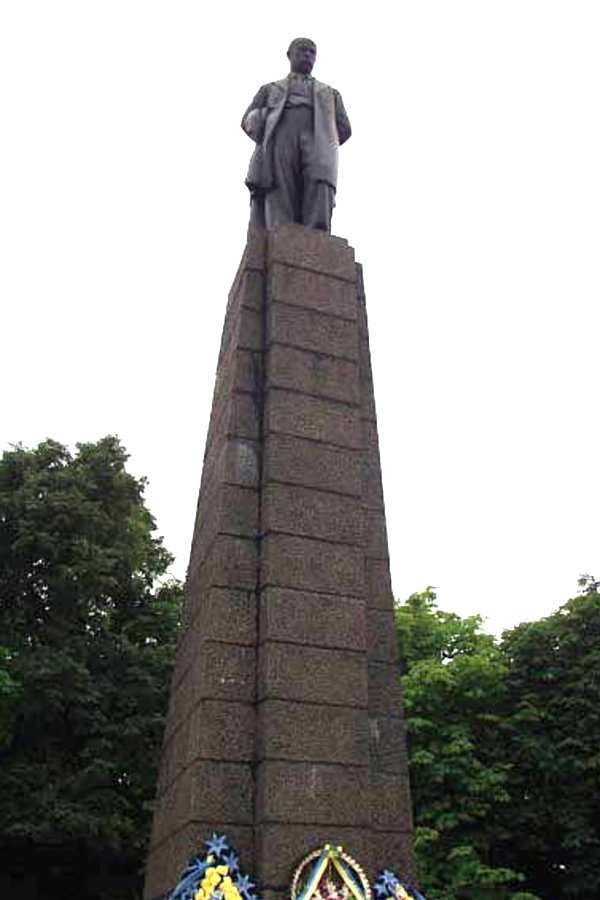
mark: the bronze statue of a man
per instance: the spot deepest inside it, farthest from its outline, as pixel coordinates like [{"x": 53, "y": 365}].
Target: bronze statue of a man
[{"x": 297, "y": 124}]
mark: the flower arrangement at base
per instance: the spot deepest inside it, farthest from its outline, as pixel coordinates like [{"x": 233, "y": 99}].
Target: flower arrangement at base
[
  {"x": 389, "y": 887},
  {"x": 214, "y": 876}
]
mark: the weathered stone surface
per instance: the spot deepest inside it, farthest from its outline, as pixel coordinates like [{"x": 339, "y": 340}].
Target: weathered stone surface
[
  {"x": 225, "y": 671},
  {"x": 231, "y": 562},
  {"x": 376, "y": 543},
  {"x": 252, "y": 289},
  {"x": 298, "y": 327},
  {"x": 312, "y": 565},
  {"x": 313, "y": 373},
  {"x": 372, "y": 488},
  {"x": 312, "y": 792},
  {"x": 312, "y": 513},
  {"x": 378, "y": 584},
  {"x": 384, "y": 691},
  {"x": 233, "y": 511},
  {"x": 390, "y": 801},
  {"x": 221, "y": 791},
  {"x": 221, "y": 730},
  {"x": 242, "y": 462},
  {"x": 312, "y": 464},
  {"x": 320, "y": 620},
  {"x": 213, "y": 619},
  {"x": 382, "y": 640},
  {"x": 387, "y": 744},
  {"x": 303, "y": 287},
  {"x": 301, "y": 415},
  {"x": 227, "y": 614},
  {"x": 311, "y": 675},
  {"x": 312, "y": 733}
]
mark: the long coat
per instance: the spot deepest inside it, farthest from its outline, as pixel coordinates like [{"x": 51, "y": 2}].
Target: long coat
[{"x": 331, "y": 128}]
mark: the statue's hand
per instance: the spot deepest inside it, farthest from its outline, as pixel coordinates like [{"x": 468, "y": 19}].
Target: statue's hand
[{"x": 254, "y": 124}]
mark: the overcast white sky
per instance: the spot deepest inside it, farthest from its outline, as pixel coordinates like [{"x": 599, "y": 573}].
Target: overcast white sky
[{"x": 470, "y": 189}]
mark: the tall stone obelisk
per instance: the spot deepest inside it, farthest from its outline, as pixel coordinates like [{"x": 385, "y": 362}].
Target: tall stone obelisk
[{"x": 285, "y": 724}]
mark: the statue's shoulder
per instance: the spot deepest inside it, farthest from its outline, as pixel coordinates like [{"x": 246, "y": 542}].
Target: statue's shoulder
[
  {"x": 325, "y": 89},
  {"x": 273, "y": 92}
]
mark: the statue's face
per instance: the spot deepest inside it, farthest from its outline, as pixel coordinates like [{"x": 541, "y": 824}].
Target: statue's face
[{"x": 302, "y": 58}]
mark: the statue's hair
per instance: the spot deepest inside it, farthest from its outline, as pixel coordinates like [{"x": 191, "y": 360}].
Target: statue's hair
[{"x": 301, "y": 41}]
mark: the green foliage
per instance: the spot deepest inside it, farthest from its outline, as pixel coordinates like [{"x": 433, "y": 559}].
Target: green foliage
[
  {"x": 455, "y": 697},
  {"x": 88, "y": 636},
  {"x": 553, "y": 745}
]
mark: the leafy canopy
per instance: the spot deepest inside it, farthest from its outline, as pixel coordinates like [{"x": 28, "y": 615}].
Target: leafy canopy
[{"x": 87, "y": 634}]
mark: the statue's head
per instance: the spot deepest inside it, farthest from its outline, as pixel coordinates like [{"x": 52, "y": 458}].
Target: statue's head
[{"x": 302, "y": 54}]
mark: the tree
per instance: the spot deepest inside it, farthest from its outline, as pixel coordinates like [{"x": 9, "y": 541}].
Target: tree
[
  {"x": 87, "y": 633},
  {"x": 455, "y": 699},
  {"x": 552, "y": 827}
]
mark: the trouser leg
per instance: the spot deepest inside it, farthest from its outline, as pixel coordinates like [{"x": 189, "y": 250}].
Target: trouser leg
[
  {"x": 283, "y": 202},
  {"x": 317, "y": 204}
]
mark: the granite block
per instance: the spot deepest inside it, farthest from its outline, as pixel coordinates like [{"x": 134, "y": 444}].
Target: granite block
[
  {"x": 221, "y": 730},
  {"x": 312, "y": 565},
  {"x": 372, "y": 487},
  {"x": 231, "y": 562},
  {"x": 312, "y": 464},
  {"x": 248, "y": 371},
  {"x": 312, "y": 513},
  {"x": 224, "y": 672},
  {"x": 244, "y": 416},
  {"x": 322, "y": 620},
  {"x": 221, "y": 791},
  {"x": 242, "y": 462},
  {"x": 378, "y": 584},
  {"x": 328, "y": 421},
  {"x": 313, "y": 373},
  {"x": 387, "y": 748},
  {"x": 303, "y": 287},
  {"x": 312, "y": 792},
  {"x": 309, "y": 330},
  {"x": 312, "y": 733},
  {"x": 252, "y": 289},
  {"x": 390, "y": 801},
  {"x": 364, "y": 361},
  {"x": 384, "y": 689},
  {"x": 312, "y": 674},
  {"x": 226, "y": 614},
  {"x": 376, "y": 533},
  {"x": 250, "y": 333},
  {"x": 382, "y": 638}
]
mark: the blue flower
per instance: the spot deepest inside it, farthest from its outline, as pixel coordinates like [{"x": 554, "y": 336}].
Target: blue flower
[
  {"x": 244, "y": 886},
  {"x": 389, "y": 880},
  {"x": 231, "y": 860},
  {"x": 217, "y": 844}
]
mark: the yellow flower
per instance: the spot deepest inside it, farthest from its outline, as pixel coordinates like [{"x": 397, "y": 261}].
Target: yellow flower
[{"x": 222, "y": 870}]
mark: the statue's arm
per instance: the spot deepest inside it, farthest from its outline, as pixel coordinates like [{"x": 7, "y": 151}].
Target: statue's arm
[
  {"x": 341, "y": 118},
  {"x": 253, "y": 120}
]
